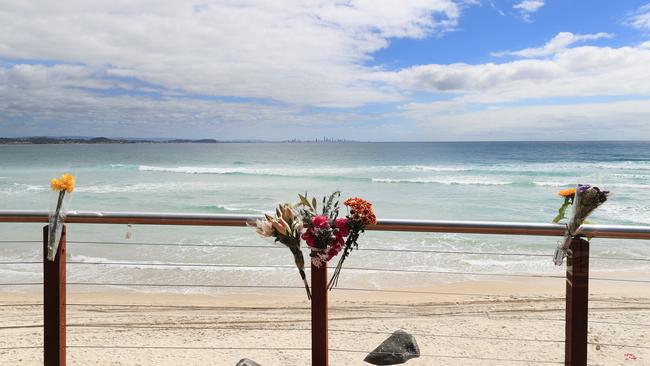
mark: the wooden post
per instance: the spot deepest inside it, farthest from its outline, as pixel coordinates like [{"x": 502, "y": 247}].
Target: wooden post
[
  {"x": 577, "y": 294},
  {"x": 319, "y": 346},
  {"x": 54, "y": 303}
]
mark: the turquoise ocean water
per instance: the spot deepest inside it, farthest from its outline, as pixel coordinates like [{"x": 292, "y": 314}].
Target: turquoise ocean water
[{"x": 514, "y": 181}]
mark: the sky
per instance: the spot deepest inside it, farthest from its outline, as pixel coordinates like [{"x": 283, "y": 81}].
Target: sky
[{"x": 370, "y": 70}]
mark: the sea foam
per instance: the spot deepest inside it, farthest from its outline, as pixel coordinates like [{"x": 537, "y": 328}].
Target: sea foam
[{"x": 446, "y": 180}]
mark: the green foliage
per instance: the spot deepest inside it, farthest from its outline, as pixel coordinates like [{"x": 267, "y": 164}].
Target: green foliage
[
  {"x": 568, "y": 201},
  {"x": 304, "y": 201},
  {"x": 310, "y": 207},
  {"x": 330, "y": 207}
]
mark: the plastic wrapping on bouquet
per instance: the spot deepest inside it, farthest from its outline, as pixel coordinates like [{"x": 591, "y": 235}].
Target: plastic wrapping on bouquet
[
  {"x": 563, "y": 246},
  {"x": 57, "y": 215}
]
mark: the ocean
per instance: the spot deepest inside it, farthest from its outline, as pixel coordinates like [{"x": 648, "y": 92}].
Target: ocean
[{"x": 496, "y": 181}]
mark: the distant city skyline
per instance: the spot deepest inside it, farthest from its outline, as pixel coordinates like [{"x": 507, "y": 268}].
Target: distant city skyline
[{"x": 426, "y": 70}]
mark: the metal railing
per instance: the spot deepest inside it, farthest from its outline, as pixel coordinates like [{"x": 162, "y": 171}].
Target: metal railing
[
  {"x": 435, "y": 226},
  {"x": 577, "y": 270}
]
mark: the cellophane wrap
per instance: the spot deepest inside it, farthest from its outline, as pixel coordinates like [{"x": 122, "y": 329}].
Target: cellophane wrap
[
  {"x": 59, "y": 202},
  {"x": 587, "y": 199}
]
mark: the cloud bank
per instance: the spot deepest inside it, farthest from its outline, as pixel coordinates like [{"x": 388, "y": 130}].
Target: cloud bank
[
  {"x": 285, "y": 69},
  {"x": 302, "y": 52}
]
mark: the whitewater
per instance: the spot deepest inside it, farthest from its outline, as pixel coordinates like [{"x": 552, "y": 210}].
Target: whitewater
[{"x": 511, "y": 181}]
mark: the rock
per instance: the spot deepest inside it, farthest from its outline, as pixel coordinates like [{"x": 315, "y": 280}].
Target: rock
[
  {"x": 398, "y": 348},
  {"x": 247, "y": 362}
]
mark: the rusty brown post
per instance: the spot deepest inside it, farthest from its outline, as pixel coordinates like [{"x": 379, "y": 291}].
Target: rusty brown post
[
  {"x": 319, "y": 343},
  {"x": 577, "y": 294},
  {"x": 54, "y": 303}
]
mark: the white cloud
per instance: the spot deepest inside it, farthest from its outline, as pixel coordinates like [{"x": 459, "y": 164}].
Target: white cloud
[
  {"x": 65, "y": 100},
  {"x": 528, "y": 7},
  {"x": 574, "y": 72},
  {"x": 581, "y": 121},
  {"x": 302, "y": 52},
  {"x": 544, "y": 98},
  {"x": 561, "y": 41},
  {"x": 640, "y": 19}
]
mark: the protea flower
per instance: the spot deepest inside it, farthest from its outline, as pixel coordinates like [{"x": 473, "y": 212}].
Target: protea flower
[{"x": 285, "y": 227}]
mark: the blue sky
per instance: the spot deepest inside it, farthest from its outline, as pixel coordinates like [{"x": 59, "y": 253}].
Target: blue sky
[
  {"x": 483, "y": 30},
  {"x": 365, "y": 70}
]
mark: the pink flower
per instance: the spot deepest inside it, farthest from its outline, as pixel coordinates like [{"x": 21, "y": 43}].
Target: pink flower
[
  {"x": 309, "y": 238},
  {"x": 343, "y": 224},
  {"x": 335, "y": 247},
  {"x": 319, "y": 259},
  {"x": 338, "y": 241},
  {"x": 320, "y": 222},
  {"x": 331, "y": 253}
]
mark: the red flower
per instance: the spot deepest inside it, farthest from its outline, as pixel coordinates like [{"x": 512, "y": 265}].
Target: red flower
[
  {"x": 320, "y": 222},
  {"x": 335, "y": 247},
  {"x": 309, "y": 238},
  {"x": 343, "y": 224}
]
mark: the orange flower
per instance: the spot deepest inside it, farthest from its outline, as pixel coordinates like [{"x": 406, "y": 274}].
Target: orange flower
[
  {"x": 64, "y": 183},
  {"x": 352, "y": 201},
  {"x": 361, "y": 210},
  {"x": 571, "y": 192}
]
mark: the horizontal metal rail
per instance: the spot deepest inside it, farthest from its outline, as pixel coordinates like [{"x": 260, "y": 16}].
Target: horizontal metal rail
[{"x": 198, "y": 219}]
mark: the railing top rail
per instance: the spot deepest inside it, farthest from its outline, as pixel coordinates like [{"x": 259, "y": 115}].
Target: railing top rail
[{"x": 442, "y": 226}]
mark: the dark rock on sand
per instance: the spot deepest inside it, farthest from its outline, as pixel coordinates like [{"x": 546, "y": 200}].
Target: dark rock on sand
[
  {"x": 247, "y": 362},
  {"x": 398, "y": 348}
]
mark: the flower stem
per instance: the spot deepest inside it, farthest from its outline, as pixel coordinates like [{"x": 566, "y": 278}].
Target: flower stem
[
  {"x": 349, "y": 243},
  {"x": 300, "y": 263},
  {"x": 55, "y": 222}
]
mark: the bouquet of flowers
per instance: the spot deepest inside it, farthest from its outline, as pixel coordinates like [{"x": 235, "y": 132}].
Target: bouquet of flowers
[
  {"x": 285, "y": 227},
  {"x": 360, "y": 215},
  {"x": 325, "y": 232},
  {"x": 585, "y": 200},
  {"x": 60, "y": 186}
]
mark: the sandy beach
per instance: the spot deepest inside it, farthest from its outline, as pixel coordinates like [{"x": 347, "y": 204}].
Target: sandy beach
[{"x": 523, "y": 325}]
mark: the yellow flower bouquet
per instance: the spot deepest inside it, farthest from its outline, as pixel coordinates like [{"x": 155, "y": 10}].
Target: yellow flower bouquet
[{"x": 62, "y": 187}]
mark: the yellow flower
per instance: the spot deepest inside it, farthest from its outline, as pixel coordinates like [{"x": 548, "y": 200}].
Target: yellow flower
[
  {"x": 567, "y": 192},
  {"x": 68, "y": 179},
  {"x": 64, "y": 183},
  {"x": 55, "y": 184}
]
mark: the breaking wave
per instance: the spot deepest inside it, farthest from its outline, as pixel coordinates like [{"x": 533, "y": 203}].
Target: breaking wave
[
  {"x": 300, "y": 172},
  {"x": 449, "y": 181}
]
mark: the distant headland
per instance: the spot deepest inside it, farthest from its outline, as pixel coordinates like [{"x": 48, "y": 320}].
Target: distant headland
[
  {"x": 43, "y": 140},
  {"x": 93, "y": 140}
]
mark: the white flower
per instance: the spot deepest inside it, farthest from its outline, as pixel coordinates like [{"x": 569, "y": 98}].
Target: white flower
[
  {"x": 264, "y": 228},
  {"x": 297, "y": 226}
]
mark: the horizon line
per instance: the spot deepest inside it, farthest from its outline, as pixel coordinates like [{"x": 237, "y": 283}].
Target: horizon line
[{"x": 298, "y": 140}]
